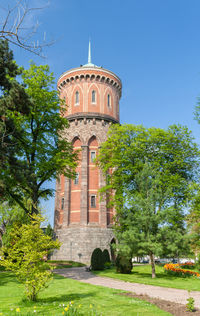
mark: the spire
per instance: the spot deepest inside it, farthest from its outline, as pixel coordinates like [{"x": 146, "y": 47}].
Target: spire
[
  {"x": 89, "y": 53},
  {"x": 89, "y": 63}
]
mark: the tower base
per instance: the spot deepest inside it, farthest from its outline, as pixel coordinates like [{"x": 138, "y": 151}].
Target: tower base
[{"x": 78, "y": 243}]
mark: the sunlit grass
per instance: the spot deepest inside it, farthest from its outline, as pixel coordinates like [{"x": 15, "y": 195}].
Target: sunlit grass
[
  {"x": 142, "y": 274},
  {"x": 61, "y": 291}
]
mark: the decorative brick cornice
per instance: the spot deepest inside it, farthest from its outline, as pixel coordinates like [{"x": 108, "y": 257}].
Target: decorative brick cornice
[
  {"x": 99, "y": 75},
  {"x": 91, "y": 115}
]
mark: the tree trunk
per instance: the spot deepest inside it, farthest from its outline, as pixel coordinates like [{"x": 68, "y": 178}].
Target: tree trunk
[{"x": 152, "y": 265}]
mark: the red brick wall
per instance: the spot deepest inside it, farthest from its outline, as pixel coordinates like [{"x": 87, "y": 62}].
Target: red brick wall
[
  {"x": 76, "y": 188},
  {"x": 93, "y": 182}
]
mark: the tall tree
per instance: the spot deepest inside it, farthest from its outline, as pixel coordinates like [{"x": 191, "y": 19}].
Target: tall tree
[
  {"x": 12, "y": 98},
  {"x": 41, "y": 151},
  {"x": 151, "y": 172}
]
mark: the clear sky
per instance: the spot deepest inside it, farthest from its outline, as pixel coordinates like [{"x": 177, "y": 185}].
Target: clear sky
[{"x": 152, "y": 45}]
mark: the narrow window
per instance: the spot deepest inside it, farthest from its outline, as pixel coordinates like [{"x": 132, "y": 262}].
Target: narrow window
[
  {"x": 77, "y": 98},
  {"x": 93, "y": 200},
  {"x": 77, "y": 178},
  {"x": 93, "y": 96},
  {"x": 62, "y": 203},
  {"x": 108, "y": 101},
  {"x": 92, "y": 156}
]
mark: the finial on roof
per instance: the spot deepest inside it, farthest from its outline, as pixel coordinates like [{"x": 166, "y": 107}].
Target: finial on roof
[
  {"x": 89, "y": 63},
  {"x": 89, "y": 53}
]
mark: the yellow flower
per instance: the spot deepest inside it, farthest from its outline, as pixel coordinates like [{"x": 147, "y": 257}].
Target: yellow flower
[
  {"x": 66, "y": 308},
  {"x": 79, "y": 305},
  {"x": 18, "y": 310},
  {"x": 72, "y": 302},
  {"x": 34, "y": 307},
  {"x": 90, "y": 305},
  {"x": 1, "y": 314},
  {"x": 63, "y": 313}
]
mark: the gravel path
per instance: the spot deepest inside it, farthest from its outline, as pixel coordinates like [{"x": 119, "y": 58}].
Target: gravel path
[{"x": 169, "y": 294}]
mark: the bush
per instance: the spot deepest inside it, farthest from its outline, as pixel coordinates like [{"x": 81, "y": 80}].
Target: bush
[
  {"x": 106, "y": 256},
  {"x": 123, "y": 264},
  {"x": 97, "y": 262},
  {"x": 24, "y": 256}
]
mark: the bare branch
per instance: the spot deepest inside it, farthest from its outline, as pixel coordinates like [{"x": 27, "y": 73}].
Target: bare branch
[{"x": 15, "y": 30}]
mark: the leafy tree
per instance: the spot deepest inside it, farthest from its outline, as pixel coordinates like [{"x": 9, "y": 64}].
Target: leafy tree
[
  {"x": 193, "y": 220},
  {"x": 12, "y": 98},
  {"x": 49, "y": 231},
  {"x": 151, "y": 172},
  {"x": 24, "y": 254},
  {"x": 42, "y": 151},
  {"x": 8, "y": 215}
]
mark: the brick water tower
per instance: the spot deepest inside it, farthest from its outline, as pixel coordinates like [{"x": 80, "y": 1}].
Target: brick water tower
[{"x": 82, "y": 221}]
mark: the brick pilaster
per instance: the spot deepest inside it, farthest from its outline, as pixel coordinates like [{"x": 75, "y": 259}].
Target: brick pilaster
[
  {"x": 84, "y": 186},
  {"x": 67, "y": 202}
]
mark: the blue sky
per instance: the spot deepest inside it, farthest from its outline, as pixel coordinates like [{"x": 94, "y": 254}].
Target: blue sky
[{"x": 152, "y": 45}]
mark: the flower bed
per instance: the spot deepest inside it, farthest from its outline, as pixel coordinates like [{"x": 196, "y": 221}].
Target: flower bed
[
  {"x": 188, "y": 265},
  {"x": 176, "y": 269}
]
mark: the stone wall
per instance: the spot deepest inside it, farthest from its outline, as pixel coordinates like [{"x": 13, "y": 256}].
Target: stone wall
[{"x": 78, "y": 243}]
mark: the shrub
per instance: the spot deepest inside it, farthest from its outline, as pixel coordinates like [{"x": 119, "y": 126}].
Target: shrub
[
  {"x": 106, "y": 256},
  {"x": 190, "y": 304},
  {"x": 97, "y": 262},
  {"x": 123, "y": 264},
  {"x": 24, "y": 256}
]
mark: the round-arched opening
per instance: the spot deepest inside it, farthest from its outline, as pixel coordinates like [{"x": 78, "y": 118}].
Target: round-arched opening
[{"x": 112, "y": 251}]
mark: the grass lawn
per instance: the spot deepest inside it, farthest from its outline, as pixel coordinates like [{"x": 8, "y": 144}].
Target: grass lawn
[
  {"x": 142, "y": 274},
  {"x": 62, "y": 290}
]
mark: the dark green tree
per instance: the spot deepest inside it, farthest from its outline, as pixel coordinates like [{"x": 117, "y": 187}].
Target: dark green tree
[
  {"x": 151, "y": 171},
  {"x": 12, "y": 98}
]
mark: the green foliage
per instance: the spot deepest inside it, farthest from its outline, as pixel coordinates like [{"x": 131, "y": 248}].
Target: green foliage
[
  {"x": 12, "y": 98},
  {"x": 153, "y": 173},
  {"x": 41, "y": 151},
  {"x": 193, "y": 220},
  {"x": 97, "y": 261},
  {"x": 24, "y": 255},
  {"x": 49, "y": 231},
  {"x": 123, "y": 264},
  {"x": 9, "y": 214},
  {"x": 106, "y": 256},
  {"x": 190, "y": 304}
]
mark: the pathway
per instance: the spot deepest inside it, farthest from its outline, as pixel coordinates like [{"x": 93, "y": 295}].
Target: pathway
[{"x": 164, "y": 293}]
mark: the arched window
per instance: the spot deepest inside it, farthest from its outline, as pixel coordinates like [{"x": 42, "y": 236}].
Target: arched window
[
  {"x": 108, "y": 100},
  {"x": 93, "y": 200},
  {"x": 92, "y": 156},
  {"x": 62, "y": 203},
  {"x": 77, "y": 98},
  {"x": 77, "y": 178},
  {"x": 93, "y": 96}
]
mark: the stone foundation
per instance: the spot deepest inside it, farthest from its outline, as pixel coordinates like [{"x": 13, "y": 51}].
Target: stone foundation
[{"x": 78, "y": 243}]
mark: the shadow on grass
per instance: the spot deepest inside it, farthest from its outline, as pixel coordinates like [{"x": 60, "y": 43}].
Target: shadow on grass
[
  {"x": 159, "y": 275},
  {"x": 57, "y": 299},
  {"x": 7, "y": 277}
]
